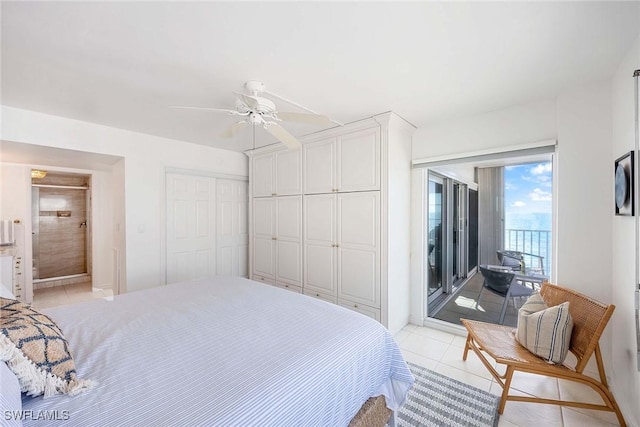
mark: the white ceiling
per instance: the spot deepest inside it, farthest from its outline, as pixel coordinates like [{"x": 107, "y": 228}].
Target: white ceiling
[{"x": 122, "y": 64}]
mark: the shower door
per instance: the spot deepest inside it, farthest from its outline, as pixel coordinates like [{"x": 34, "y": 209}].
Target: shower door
[{"x": 59, "y": 231}]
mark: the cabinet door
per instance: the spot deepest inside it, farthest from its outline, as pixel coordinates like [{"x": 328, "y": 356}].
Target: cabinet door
[
  {"x": 288, "y": 173},
  {"x": 319, "y": 243},
  {"x": 319, "y": 166},
  {"x": 359, "y": 247},
  {"x": 262, "y": 177},
  {"x": 264, "y": 243},
  {"x": 289, "y": 240},
  {"x": 358, "y": 161}
]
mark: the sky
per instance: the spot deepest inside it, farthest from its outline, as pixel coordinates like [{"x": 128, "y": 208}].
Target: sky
[{"x": 528, "y": 188}]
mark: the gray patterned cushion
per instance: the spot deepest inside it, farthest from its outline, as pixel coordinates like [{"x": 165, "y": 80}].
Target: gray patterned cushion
[
  {"x": 545, "y": 331},
  {"x": 36, "y": 351}
]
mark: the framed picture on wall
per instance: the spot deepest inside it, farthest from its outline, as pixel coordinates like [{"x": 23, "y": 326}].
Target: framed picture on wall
[{"x": 624, "y": 185}]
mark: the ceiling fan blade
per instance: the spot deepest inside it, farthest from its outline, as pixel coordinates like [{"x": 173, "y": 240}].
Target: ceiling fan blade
[
  {"x": 234, "y": 129},
  {"x": 221, "y": 110},
  {"x": 316, "y": 119},
  {"x": 279, "y": 132}
]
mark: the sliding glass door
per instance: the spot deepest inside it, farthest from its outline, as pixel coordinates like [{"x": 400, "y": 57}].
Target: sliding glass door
[
  {"x": 472, "y": 231},
  {"x": 435, "y": 243},
  {"x": 448, "y": 236}
]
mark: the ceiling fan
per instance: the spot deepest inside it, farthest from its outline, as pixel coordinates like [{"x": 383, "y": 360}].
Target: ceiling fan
[{"x": 258, "y": 110}]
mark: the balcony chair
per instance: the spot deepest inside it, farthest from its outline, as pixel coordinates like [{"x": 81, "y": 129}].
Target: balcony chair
[
  {"x": 590, "y": 317},
  {"x": 501, "y": 282},
  {"x": 515, "y": 260}
]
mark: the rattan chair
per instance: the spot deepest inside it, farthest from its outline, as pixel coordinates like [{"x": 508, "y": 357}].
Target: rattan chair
[{"x": 590, "y": 318}]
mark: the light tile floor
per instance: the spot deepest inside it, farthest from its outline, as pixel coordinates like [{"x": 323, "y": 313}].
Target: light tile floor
[
  {"x": 442, "y": 352},
  {"x": 67, "y": 294}
]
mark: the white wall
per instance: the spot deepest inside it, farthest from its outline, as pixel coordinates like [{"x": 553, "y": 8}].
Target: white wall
[
  {"x": 102, "y": 229},
  {"x": 145, "y": 160},
  {"x": 584, "y": 202},
  {"x": 626, "y": 380},
  {"x": 585, "y": 194},
  {"x": 463, "y": 172},
  {"x": 399, "y": 235},
  {"x": 519, "y": 124}
]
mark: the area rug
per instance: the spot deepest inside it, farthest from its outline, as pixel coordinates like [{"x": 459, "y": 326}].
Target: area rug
[{"x": 437, "y": 400}]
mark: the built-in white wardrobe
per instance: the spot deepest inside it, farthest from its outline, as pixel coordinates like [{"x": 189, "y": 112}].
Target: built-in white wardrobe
[{"x": 331, "y": 219}]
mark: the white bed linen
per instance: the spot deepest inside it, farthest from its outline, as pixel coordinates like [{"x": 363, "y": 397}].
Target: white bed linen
[{"x": 224, "y": 352}]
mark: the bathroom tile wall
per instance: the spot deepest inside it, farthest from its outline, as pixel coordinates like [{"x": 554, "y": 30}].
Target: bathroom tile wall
[{"x": 62, "y": 240}]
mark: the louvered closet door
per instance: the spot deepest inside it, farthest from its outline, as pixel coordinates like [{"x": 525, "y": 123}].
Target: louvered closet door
[
  {"x": 359, "y": 247},
  {"x": 191, "y": 227},
  {"x": 232, "y": 236},
  {"x": 319, "y": 243}
]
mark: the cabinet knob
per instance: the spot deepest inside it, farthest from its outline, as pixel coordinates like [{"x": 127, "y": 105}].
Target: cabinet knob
[
  {"x": 274, "y": 238},
  {"x": 355, "y": 305},
  {"x": 317, "y": 295},
  {"x": 274, "y": 194},
  {"x": 286, "y": 286}
]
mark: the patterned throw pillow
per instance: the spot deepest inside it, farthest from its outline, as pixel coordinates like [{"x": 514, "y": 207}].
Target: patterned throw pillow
[
  {"x": 545, "y": 331},
  {"x": 36, "y": 351}
]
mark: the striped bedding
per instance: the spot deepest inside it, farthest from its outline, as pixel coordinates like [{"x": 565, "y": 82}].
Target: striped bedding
[{"x": 224, "y": 352}]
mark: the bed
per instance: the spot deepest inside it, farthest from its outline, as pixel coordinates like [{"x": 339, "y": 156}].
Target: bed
[{"x": 223, "y": 351}]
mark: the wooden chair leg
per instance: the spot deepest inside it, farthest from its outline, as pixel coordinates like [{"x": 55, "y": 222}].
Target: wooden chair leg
[
  {"x": 505, "y": 389},
  {"x": 603, "y": 376},
  {"x": 467, "y": 346}
]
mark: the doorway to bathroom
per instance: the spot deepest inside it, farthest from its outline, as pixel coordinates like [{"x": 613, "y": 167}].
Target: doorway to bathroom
[{"x": 61, "y": 237}]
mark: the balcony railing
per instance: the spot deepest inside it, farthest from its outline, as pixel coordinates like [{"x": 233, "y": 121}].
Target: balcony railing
[{"x": 536, "y": 242}]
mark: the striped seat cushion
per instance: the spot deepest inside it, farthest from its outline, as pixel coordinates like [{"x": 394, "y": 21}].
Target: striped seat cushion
[
  {"x": 36, "y": 351},
  {"x": 545, "y": 331}
]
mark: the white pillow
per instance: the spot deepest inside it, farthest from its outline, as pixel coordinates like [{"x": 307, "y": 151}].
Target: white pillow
[
  {"x": 545, "y": 331},
  {"x": 10, "y": 397},
  {"x": 5, "y": 292}
]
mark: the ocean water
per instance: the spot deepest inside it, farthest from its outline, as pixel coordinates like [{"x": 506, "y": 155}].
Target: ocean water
[
  {"x": 537, "y": 241},
  {"x": 528, "y": 221}
]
